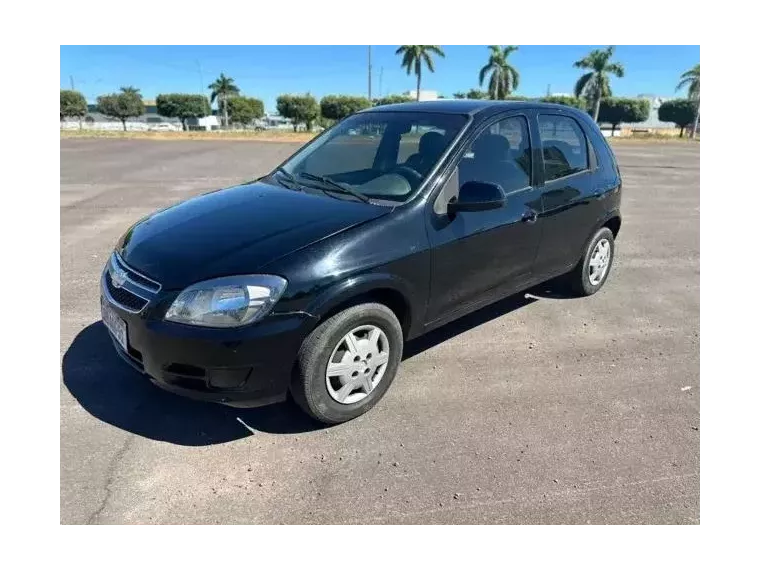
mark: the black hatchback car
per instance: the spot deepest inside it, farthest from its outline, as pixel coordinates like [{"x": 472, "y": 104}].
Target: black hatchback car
[{"x": 395, "y": 221}]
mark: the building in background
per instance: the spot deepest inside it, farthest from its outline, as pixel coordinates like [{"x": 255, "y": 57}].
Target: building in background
[
  {"x": 424, "y": 95},
  {"x": 653, "y": 123},
  {"x": 151, "y": 116},
  {"x": 210, "y": 123},
  {"x": 273, "y": 121}
]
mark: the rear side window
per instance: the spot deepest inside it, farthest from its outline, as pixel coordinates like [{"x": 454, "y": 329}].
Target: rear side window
[{"x": 564, "y": 144}]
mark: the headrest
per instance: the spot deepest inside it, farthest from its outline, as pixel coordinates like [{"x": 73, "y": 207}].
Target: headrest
[
  {"x": 431, "y": 143},
  {"x": 492, "y": 147}
]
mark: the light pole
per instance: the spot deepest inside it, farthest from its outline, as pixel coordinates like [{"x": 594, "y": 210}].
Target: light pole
[
  {"x": 200, "y": 74},
  {"x": 369, "y": 73}
]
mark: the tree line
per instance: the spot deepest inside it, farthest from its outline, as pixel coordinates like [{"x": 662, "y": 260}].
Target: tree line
[
  {"x": 592, "y": 93},
  {"x": 592, "y": 89},
  {"x": 128, "y": 103}
]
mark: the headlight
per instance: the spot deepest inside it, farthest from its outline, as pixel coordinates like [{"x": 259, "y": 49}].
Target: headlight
[{"x": 227, "y": 301}]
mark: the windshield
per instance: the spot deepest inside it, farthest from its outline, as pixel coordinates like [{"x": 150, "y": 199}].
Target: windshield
[{"x": 377, "y": 155}]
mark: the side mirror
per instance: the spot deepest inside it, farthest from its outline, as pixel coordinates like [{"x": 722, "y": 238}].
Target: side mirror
[{"x": 477, "y": 196}]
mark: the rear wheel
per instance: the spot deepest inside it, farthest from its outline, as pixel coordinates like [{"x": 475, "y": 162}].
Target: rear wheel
[
  {"x": 348, "y": 363},
  {"x": 594, "y": 268}
]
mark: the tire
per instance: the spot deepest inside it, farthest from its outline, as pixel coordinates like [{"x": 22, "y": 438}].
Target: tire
[
  {"x": 581, "y": 280},
  {"x": 311, "y": 388}
]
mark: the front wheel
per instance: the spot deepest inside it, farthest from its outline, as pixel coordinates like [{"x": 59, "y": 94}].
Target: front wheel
[
  {"x": 348, "y": 362},
  {"x": 594, "y": 268}
]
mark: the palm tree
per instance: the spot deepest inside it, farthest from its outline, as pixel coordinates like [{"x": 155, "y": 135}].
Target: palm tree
[
  {"x": 413, "y": 56},
  {"x": 691, "y": 78},
  {"x": 504, "y": 77},
  {"x": 222, "y": 89},
  {"x": 596, "y": 83}
]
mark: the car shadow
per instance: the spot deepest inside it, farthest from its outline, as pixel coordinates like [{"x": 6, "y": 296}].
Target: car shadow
[
  {"x": 113, "y": 392},
  {"x": 556, "y": 288},
  {"x": 465, "y": 323}
]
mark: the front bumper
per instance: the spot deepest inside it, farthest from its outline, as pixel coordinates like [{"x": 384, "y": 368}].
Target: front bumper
[{"x": 246, "y": 367}]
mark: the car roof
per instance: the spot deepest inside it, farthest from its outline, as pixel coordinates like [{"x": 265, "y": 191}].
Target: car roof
[{"x": 463, "y": 106}]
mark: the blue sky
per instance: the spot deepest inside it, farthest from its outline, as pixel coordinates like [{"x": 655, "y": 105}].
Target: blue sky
[{"x": 267, "y": 71}]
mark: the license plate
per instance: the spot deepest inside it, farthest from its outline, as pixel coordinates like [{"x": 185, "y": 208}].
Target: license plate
[{"x": 114, "y": 323}]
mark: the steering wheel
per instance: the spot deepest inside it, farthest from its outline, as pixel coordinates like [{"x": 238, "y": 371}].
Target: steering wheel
[{"x": 412, "y": 176}]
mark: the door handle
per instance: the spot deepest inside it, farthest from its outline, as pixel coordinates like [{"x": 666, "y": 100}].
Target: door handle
[{"x": 530, "y": 216}]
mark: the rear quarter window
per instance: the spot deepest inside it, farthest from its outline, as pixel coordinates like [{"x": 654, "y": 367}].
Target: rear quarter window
[
  {"x": 564, "y": 146},
  {"x": 605, "y": 157},
  {"x": 605, "y": 154}
]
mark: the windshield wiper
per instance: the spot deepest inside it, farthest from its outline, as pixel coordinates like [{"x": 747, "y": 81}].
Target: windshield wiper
[
  {"x": 345, "y": 189},
  {"x": 294, "y": 185}
]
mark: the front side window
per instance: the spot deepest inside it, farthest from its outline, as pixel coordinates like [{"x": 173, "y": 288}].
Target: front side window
[
  {"x": 381, "y": 155},
  {"x": 564, "y": 145},
  {"x": 500, "y": 155}
]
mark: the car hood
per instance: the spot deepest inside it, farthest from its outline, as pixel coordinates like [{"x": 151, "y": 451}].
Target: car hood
[{"x": 235, "y": 231}]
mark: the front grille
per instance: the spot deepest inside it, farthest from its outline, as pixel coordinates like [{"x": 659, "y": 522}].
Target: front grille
[
  {"x": 125, "y": 298},
  {"x": 134, "y": 290},
  {"x": 136, "y": 277}
]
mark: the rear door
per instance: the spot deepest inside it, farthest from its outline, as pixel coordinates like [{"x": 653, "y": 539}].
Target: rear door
[{"x": 567, "y": 186}]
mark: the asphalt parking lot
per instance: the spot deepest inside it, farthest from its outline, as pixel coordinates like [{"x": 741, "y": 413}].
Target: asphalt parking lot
[{"x": 539, "y": 409}]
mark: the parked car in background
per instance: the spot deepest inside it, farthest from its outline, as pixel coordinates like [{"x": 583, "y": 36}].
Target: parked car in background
[
  {"x": 310, "y": 279},
  {"x": 162, "y": 127}
]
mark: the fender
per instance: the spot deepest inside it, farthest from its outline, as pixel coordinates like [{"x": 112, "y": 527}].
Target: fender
[
  {"x": 352, "y": 287},
  {"x": 606, "y": 217},
  {"x": 600, "y": 222}
]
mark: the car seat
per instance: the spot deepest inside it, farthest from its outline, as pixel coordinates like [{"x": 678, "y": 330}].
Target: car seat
[
  {"x": 492, "y": 162},
  {"x": 429, "y": 150}
]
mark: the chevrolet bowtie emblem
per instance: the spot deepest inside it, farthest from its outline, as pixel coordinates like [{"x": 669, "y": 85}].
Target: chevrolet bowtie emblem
[{"x": 118, "y": 277}]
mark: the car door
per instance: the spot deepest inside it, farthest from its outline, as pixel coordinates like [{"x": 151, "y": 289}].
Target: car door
[
  {"x": 478, "y": 256},
  {"x": 568, "y": 208}
]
